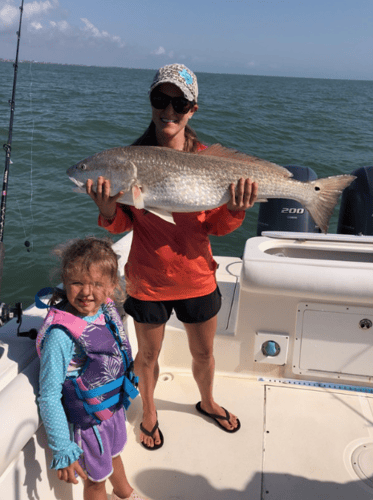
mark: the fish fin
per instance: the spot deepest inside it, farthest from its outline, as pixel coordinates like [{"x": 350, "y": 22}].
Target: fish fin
[
  {"x": 79, "y": 190},
  {"x": 138, "y": 199},
  {"x": 167, "y": 216},
  {"x": 232, "y": 154},
  {"x": 326, "y": 194}
]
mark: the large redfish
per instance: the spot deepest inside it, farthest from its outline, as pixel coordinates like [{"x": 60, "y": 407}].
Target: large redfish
[{"x": 163, "y": 180}]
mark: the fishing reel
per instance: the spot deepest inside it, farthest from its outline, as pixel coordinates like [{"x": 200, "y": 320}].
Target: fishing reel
[{"x": 7, "y": 312}]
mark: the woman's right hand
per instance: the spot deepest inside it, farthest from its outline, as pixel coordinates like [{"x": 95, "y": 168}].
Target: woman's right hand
[
  {"x": 67, "y": 474},
  {"x": 106, "y": 204}
]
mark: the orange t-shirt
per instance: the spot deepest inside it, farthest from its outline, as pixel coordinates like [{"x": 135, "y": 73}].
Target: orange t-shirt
[{"x": 171, "y": 261}]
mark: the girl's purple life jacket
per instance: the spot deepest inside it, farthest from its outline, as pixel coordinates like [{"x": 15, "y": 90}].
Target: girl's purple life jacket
[{"x": 106, "y": 381}]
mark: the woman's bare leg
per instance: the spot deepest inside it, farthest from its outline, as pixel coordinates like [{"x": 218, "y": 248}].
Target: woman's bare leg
[
  {"x": 149, "y": 338},
  {"x": 201, "y": 344}
]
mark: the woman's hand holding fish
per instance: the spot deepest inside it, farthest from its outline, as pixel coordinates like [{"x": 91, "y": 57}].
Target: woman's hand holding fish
[
  {"x": 106, "y": 204},
  {"x": 243, "y": 196}
]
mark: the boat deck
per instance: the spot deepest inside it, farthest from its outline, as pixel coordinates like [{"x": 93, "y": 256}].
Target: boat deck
[
  {"x": 198, "y": 459},
  {"x": 294, "y": 442},
  {"x": 306, "y": 411}
]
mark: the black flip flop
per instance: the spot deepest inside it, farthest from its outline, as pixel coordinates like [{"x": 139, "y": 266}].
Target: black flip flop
[
  {"x": 151, "y": 434},
  {"x": 219, "y": 417}
]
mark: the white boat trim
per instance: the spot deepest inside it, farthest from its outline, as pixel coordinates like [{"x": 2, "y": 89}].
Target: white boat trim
[{"x": 291, "y": 235}]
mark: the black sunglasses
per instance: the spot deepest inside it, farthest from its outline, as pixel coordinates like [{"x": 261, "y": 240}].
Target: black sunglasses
[{"x": 159, "y": 100}]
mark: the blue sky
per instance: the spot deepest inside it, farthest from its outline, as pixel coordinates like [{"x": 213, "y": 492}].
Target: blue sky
[{"x": 310, "y": 38}]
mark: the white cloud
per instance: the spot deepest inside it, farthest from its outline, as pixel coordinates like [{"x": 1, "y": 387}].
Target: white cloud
[
  {"x": 118, "y": 40},
  {"x": 36, "y": 26},
  {"x": 33, "y": 13},
  {"x": 46, "y": 19},
  {"x": 33, "y": 9},
  {"x": 91, "y": 30},
  {"x": 63, "y": 26},
  {"x": 160, "y": 51},
  {"x": 9, "y": 14}
]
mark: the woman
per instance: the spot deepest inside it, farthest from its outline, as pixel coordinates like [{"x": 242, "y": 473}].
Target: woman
[{"x": 171, "y": 266}]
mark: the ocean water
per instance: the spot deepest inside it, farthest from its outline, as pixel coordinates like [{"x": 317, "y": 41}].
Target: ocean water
[{"x": 66, "y": 113}]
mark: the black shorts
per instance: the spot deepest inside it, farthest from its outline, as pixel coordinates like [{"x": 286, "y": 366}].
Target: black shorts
[{"x": 196, "y": 310}]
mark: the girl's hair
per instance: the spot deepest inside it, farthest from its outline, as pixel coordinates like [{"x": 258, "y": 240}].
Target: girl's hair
[
  {"x": 149, "y": 138},
  {"x": 82, "y": 253}
]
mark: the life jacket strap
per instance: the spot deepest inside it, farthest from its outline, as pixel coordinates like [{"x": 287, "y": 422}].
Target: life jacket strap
[
  {"x": 129, "y": 389},
  {"x": 102, "y": 406},
  {"x": 99, "y": 439},
  {"x": 128, "y": 386},
  {"x": 99, "y": 391}
]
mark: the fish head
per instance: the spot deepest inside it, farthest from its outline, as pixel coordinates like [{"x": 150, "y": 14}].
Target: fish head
[
  {"x": 110, "y": 164},
  {"x": 79, "y": 175}
]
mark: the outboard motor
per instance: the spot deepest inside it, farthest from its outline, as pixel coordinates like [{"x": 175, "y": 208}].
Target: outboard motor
[
  {"x": 356, "y": 211},
  {"x": 282, "y": 214}
]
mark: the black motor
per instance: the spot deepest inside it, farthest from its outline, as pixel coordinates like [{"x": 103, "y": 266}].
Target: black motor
[
  {"x": 282, "y": 214},
  {"x": 356, "y": 211}
]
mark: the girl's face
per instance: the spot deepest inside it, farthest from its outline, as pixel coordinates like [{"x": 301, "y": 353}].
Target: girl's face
[
  {"x": 168, "y": 123},
  {"x": 86, "y": 291}
]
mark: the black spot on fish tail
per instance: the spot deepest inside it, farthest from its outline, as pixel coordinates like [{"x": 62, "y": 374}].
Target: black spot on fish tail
[{"x": 326, "y": 194}]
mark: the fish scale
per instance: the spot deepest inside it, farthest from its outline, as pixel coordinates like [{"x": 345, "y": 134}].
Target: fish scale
[{"x": 166, "y": 180}]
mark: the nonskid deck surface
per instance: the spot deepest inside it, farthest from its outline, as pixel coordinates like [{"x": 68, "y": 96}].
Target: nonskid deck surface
[
  {"x": 198, "y": 460},
  {"x": 295, "y": 442}
]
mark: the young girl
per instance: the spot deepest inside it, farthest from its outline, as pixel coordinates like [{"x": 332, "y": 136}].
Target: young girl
[{"x": 85, "y": 357}]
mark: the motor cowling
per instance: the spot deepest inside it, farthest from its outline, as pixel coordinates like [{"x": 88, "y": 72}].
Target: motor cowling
[
  {"x": 356, "y": 210},
  {"x": 282, "y": 214}
]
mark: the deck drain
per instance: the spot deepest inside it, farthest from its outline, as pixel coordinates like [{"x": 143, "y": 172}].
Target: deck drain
[
  {"x": 362, "y": 463},
  {"x": 166, "y": 377}
]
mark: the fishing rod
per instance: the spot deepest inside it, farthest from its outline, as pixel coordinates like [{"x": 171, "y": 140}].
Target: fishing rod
[{"x": 7, "y": 312}]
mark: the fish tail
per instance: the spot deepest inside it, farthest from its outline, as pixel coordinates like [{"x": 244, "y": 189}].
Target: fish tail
[{"x": 326, "y": 193}]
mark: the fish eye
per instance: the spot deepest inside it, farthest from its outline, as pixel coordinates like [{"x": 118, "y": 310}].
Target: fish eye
[{"x": 83, "y": 166}]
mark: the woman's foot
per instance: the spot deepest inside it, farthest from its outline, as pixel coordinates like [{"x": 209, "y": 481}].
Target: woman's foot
[
  {"x": 222, "y": 417},
  {"x": 151, "y": 436}
]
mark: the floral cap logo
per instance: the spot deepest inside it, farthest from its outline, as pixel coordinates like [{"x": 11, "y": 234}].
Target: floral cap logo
[{"x": 187, "y": 76}]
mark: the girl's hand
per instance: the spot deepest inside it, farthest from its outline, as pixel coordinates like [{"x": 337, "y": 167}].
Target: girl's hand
[
  {"x": 243, "y": 196},
  {"x": 67, "y": 474},
  {"x": 106, "y": 204}
]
